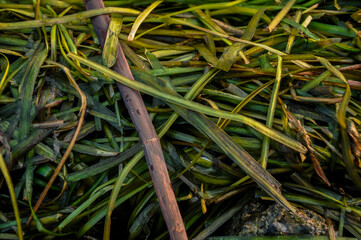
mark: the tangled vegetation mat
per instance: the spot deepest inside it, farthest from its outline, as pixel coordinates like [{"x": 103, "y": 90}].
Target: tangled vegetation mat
[{"x": 249, "y": 98}]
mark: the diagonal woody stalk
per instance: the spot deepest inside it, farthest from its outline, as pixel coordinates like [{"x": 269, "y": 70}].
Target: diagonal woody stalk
[{"x": 146, "y": 131}]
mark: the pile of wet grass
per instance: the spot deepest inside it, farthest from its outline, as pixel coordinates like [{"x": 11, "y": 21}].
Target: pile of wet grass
[{"x": 250, "y": 99}]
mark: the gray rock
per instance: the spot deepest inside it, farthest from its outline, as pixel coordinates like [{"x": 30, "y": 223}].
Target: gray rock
[{"x": 258, "y": 219}]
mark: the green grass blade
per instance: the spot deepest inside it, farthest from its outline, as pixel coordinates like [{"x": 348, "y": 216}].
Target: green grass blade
[
  {"x": 301, "y": 28},
  {"x": 315, "y": 82},
  {"x": 83, "y": 206},
  {"x": 111, "y": 42},
  {"x": 3, "y": 80},
  {"x": 270, "y": 114},
  {"x": 207, "y": 54},
  {"x": 100, "y": 214},
  {"x": 263, "y": 46},
  {"x": 331, "y": 29},
  {"x": 205, "y": 6},
  {"x": 341, "y": 117},
  {"x": 6, "y": 174},
  {"x": 241, "y": 10},
  {"x": 116, "y": 190},
  {"x": 281, "y": 15},
  {"x": 66, "y": 19},
  {"x": 194, "y": 106},
  {"x": 103, "y": 166},
  {"x": 222, "y": 219},
  {"x": 292, "y": 37},
  {"x": 141, "y": 17},
  {"x": 232, "y": 52},
  {"x": 26, "y": 92}
]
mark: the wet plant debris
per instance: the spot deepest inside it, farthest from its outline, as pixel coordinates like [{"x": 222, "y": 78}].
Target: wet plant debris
[{"x": 246, "y": 99}]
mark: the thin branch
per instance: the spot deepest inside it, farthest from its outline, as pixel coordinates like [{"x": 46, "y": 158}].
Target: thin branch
[
  {"x": 72, "y": 142},
  {"x": 147, "y": 134}
]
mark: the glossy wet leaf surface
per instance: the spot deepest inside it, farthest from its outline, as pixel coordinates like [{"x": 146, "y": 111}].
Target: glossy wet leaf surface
[{"x": 251, "y": 99}]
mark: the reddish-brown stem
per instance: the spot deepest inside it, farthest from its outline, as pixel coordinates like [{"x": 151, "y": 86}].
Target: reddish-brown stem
[
  {"x": 147, "y": 134},
  {"x": 71, "y": 144}
]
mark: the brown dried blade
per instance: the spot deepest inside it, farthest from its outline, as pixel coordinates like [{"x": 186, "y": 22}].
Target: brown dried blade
[{"x": 296, "y": 124}]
